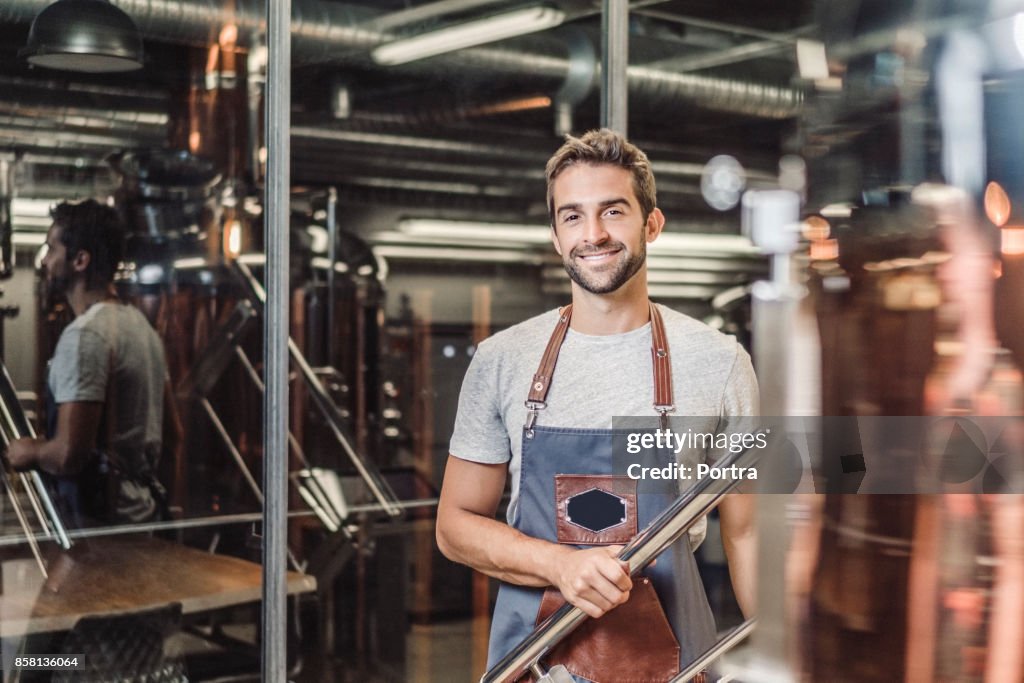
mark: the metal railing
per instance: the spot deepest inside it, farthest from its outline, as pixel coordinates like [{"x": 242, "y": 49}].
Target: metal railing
[
  {"x": 12, "y": 540},
  {"x": 14, "y": 425},
  {"x": 668, "y": 527},
  {"x": 724, "y": 644},
  {"x": 379, "y": 488}
]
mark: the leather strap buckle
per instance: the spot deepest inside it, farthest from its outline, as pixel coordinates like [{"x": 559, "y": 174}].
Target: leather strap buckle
[
  {"x": 663, "y": 411},
  {"x": 531, "y": 416}
]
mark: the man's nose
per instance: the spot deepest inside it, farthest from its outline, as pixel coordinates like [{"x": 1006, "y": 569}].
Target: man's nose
[{"x": 594, "y": 231}]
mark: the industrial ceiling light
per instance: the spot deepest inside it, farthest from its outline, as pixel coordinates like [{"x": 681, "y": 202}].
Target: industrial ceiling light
[
  {"x": 480, "y": 32},
  {"x": 92, "y": 36}
]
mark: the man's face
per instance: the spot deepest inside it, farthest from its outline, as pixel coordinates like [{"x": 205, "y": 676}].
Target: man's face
[
  {"x": 55, "y": 262},
  {"x": 599, "y": 229}
]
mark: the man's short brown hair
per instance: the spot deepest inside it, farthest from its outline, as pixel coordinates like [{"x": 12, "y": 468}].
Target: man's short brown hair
[{"x": 598, "y": 147}]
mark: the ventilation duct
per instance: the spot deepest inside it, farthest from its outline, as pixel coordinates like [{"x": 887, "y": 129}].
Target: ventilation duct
[
  {"x": 37, "y": 115},
  {"x": 325, "y": 32}
]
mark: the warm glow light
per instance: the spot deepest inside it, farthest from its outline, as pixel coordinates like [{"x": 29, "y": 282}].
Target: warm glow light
[
  {"x": 510, "y": 106},
  {"x": 1013, "y": 240},
  {"x": 228, "y": 36},
  {"x": 997, "y": 204},
  {"x": 232, "y": 239},
  {"x": 815, "y": 228},
  {"x": 194, "y": 139},
  {"x": 824, "y": 250}
]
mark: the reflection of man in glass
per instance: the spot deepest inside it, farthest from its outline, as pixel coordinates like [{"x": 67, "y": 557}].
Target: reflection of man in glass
[{"x": 105, "y": 382}]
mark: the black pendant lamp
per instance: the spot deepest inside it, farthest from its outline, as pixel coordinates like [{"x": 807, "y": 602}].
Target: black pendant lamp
[{"x": 84, "y": 35}]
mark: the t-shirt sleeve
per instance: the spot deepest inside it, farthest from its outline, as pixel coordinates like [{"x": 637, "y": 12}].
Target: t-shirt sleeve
[
  {"x": 80, "y": 367},
  {"x": 741, "y": 398},
  {"x": 740, "y": 401},
  {"x": 480, "y": 434}
]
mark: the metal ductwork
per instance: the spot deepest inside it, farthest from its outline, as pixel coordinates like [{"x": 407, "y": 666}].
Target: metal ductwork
[
  {"x": 324, "y": 32},
  {"x": 37, "y": 114}
]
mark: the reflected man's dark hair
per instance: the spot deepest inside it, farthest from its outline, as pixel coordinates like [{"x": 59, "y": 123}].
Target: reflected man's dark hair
[{"x": 94, "y": 228}]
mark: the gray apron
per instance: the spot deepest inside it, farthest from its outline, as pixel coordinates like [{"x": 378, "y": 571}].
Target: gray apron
[{"x": 567, "y": 495}]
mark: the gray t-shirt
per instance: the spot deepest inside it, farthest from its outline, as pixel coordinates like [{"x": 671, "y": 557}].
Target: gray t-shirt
[
  {"x": 596, "y": 378},
  {"x": 113, "y": 342}
]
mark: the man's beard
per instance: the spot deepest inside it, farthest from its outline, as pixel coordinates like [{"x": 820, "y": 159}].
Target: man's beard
[
  {"x": 608, "y": 281},
  {"x": 57, "y": 287}
]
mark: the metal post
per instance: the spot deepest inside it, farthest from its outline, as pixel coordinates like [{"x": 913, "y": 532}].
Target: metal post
[
  {"x": 332, "y": 256},
  {"x": 614, "y": 64},
  {"x": 770, "y": 219},
  {"x": 6, "y": 222},
  {"x": 275, "y": 336}
]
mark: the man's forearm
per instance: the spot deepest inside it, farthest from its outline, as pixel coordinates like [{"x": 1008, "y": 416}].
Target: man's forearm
[
  {"x": 496, "y": 549},
  {"x": 739, "y": 536},
  {"x": 741, "y": 550},
  {"x": 49, "y": 455}
]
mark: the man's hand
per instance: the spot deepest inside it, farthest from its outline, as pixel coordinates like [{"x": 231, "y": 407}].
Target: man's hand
[
  {"x": 21, "y": 453},
  {"x": 69, "y": 449},
  {"x": 594, "y": 580}
]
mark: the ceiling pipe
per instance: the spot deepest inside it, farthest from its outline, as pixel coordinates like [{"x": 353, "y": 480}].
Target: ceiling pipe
[
  {"x": 90, "y": 119},
  {"x": 325, "y": 32}
]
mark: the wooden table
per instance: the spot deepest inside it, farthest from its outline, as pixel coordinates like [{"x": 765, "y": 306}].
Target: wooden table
[{"x": 107, "y": 576}]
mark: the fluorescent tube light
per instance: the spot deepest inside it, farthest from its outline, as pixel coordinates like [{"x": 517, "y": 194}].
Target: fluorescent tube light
[
  {"x": 683, "y": 244},
  {"x": 459, "y": 36},
  {"x": 472, "y": 230}
]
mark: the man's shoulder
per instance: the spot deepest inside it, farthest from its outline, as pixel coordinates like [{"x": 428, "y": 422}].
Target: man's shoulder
[
  {"x": 523, "y": 335},
  {"x": 683, "y": 325},
  {"x": 109, "y": 325},
  {"x": 691, "y": 337},
  {"x": 87, "y": 329}
]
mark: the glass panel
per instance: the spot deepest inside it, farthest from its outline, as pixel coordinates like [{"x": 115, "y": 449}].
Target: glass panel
[{"x": 891, "y": 264}]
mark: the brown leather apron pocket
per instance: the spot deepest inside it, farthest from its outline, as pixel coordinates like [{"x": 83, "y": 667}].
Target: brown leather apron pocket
[
  {"x": 633, "y": 643},
  {"x": 595, "y": 509}
]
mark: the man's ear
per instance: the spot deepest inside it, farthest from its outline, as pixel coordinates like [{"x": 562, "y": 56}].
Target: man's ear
[
  {"x": 81, "y": 261},
  {"x": 554, "y": 241},
  {"x": 655, "y": 224}
]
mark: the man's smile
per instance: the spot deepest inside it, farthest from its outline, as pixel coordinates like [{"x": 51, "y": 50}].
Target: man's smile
[{"x": 599, "y": 256}]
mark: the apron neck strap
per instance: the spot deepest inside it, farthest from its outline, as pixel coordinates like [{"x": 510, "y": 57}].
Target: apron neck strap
[{"x": 661, "y": 361}]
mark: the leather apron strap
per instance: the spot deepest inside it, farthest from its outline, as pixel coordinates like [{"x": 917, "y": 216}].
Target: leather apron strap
[{"x": 660, "y": 357}]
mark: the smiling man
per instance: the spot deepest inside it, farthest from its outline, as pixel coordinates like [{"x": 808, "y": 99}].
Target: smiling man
[{"x": 537, "y": 405}]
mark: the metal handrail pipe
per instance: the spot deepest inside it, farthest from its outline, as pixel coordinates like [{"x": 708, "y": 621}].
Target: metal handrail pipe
[
  {"x": 724, "y": 644},
  {"x": 667, "y": 528},
  {"x": 378, "y": 487},
  {"x": 23, "y": 521},
  {"x": 18, "y": 426},
  {"x": 154, "y": 527},
  {"x": 199, "y": 522},
  {"x": 209, "y": 368}
]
